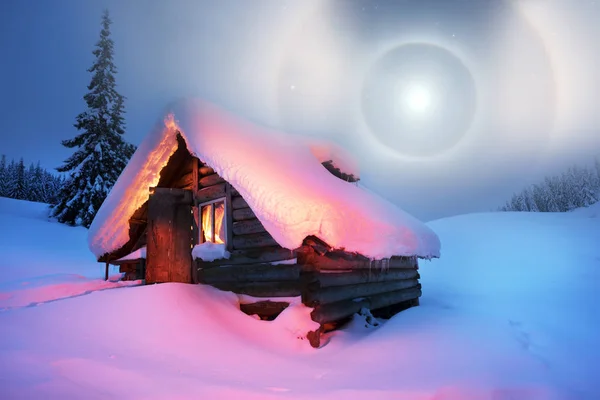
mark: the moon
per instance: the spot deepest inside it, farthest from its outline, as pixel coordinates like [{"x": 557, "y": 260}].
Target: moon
[{"x": 419, "y": 99}]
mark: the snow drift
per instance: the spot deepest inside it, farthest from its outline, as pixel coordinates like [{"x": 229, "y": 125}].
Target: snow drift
[
  {"x": 517, "y": 319},
  {"x": 281, "y": 178}
]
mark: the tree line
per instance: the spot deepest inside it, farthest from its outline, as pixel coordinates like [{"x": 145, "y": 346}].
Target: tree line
[
  {"x": 32, "y": 183},
  {"x": 576, "y": 187}
]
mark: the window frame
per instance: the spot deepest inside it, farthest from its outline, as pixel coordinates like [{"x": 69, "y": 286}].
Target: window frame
[{"x": 212, "y": 210}]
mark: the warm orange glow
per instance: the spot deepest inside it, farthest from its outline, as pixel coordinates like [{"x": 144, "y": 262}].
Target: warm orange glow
[
  {"x": 170, "y": 123},
  {"x": 219, "y": 222}
]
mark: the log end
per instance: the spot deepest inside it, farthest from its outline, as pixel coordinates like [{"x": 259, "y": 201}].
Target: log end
[{"x": 314, "y": 338}]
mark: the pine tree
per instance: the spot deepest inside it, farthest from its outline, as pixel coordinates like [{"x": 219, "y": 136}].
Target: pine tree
[
  {"x": 3, "y": 177},
  {"x": 17, "y": 186},
  {"x": 101, "y": 151}
]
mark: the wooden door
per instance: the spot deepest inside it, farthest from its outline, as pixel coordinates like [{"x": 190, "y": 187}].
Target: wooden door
[{"x": 170, "y": 221}]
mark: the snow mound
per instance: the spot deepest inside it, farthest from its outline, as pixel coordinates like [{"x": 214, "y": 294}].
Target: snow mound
[
  {"x": 24, "y": 209},
  {"x": 516, "y": 318},
  {"x": 209, "y": 251},
  {"x": 281, "y": 178}
]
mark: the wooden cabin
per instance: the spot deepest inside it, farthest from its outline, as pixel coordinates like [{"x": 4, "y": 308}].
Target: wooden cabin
[{"x": 191, "y": 205}]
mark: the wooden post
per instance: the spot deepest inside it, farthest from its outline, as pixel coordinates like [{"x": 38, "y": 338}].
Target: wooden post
[
  {"x": 169, "y": 257},
  {"x": 106, "y": 272}
]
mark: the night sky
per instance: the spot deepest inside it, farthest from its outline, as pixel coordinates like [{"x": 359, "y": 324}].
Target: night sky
[{"x": 450, "y": 105}]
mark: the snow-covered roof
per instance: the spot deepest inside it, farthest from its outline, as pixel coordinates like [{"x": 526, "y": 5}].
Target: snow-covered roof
[{"x": 281, "y": 178}]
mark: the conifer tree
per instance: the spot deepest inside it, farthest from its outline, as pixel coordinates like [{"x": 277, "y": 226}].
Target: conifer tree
[
  {"x": 17, "y": 187},
  {"x": 101, "y": 153},
  {"x": 3, "y": 177}
]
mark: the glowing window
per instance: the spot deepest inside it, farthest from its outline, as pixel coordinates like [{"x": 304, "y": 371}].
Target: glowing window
[{"x": 212, "y": 216}]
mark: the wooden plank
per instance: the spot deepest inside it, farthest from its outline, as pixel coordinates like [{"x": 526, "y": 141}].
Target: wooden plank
[
  {"x": 338, "y": 260},
  {"x": 396, "y": 297},
  {"x": 210, "y": 180},
  {"x": 206, "y": 170},
  {"x": 247, "y": 226},
  {"x": 266, "y": 310},
  {"x": 228, "y": 218},
  {"x": 243, "y": 214},
  {"x": 255, "y": 256},
  {"x": 124, "y": 262},
  {"x": 238, "y": 202},
  {"x": 324, "y": 279},
  {"x": 250, "y": 273},
  {"x": 262, "y": 289},
  {"x": 210, "y": 193},
  {"x": 350, "y": 292},
  {"x": 169, "y": 236},
  {"x": 345, "y": 308},
  {"x": 263, "y": 239}
]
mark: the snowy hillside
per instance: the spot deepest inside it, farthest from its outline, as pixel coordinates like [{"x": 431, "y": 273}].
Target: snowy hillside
[
  {"x": 41, "y": 260},
  {"x": 508, "y": 312}
]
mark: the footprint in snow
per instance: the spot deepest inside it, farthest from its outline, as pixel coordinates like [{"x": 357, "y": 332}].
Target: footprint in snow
[{"x": 524, "y": 338}]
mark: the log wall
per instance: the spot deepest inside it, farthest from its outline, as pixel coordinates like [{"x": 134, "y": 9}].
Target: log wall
[
  {"x": 247, "y": 240},
  {"x": 259, "y": 280},
  {"x": 335, "y": 283}
]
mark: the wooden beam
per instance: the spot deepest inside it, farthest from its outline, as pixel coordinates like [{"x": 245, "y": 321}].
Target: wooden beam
[
  {"x": 243, "y": 214},
  {"x": 210, "y": 180},
  {"x": 210, "y": 193},
  {"x": 248, "y": 226},
  {"x": 350, "y": 292},
  {"x": 254, "y": 256},
  {"x": 238, "y": 202},
  {"x": 123, "y": 262},
  {"x": 250, "y": 273},
  {"x": 263, "y": 239},
  {"x": 339, "y": 260},
  {"x": 395, "y": 297},
  {"x": 324, "y": 279},
  {"x": 345, "y": 308},
  {"x": 262, "y": 289}
]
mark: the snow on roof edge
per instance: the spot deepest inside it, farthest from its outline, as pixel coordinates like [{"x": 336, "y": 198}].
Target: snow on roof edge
[{"x": 280, "y": 177}]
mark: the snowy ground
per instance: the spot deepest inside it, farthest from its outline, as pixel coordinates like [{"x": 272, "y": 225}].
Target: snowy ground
[
  {"x": 42, "y": 261},
  {"x": 508, "y": 312}
]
